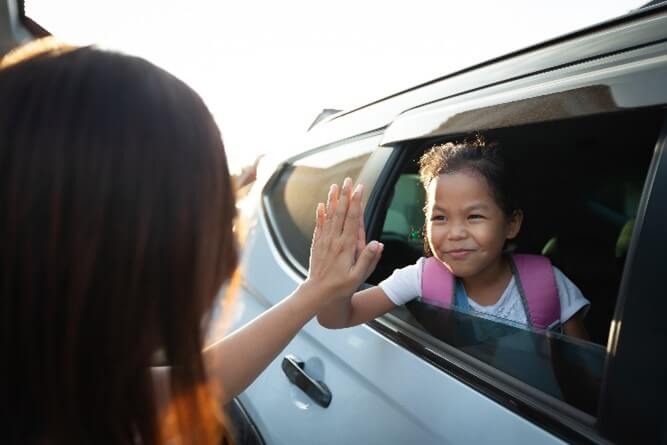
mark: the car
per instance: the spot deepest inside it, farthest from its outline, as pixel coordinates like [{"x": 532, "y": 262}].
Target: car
[{"x": 584, "y": 117}]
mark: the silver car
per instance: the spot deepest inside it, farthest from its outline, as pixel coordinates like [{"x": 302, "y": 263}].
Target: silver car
[{"x": 584, "y": 116}]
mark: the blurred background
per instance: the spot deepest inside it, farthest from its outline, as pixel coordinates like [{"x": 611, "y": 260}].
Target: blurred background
[{"x": 266, "y": 69}]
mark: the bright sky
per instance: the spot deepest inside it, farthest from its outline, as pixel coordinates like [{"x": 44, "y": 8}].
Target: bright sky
[{"x": 266, "y": 69}]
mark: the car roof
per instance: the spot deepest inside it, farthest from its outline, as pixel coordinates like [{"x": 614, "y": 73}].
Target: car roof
[{"x": 637, "y": 28}]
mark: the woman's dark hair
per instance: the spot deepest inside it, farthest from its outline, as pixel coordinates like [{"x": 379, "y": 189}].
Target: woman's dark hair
[
  {"x": 116, "y": 214},
  {"x": 476, "y": 156}
]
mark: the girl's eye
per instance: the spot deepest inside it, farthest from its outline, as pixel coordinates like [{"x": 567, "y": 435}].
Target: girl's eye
[
  {"x": 438, "y": 218},
  {"x": 475, "y": 216}
]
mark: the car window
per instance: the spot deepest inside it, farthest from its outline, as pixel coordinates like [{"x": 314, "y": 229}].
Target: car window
[
  {"x": 582, "y": 181},
  {"x": 293, "y": 196}
]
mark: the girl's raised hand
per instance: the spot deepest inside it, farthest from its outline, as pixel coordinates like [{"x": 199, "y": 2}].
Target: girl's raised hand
[{"x": 339, "y": 260}]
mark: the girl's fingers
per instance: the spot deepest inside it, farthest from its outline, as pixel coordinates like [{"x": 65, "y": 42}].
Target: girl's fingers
[
  {"x": 371, "y": 267},
  {"x": 367, "y": 261}
]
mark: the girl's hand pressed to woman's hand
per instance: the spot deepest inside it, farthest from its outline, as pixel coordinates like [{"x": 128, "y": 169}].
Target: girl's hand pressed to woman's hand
[{"x": 338, "y": 265}]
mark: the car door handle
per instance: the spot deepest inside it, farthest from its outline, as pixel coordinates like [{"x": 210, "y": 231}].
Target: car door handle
[{"x": 295, "y": 371}]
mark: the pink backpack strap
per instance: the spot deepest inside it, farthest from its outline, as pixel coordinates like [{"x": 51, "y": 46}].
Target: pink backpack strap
[
  {"x": 535, "y": 279},
  {"x": 537, "y": 286},
  {"x": 437, "y": 283}
]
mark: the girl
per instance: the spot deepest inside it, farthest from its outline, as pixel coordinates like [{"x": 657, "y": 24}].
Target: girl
[{"x": 470, "y": 216}]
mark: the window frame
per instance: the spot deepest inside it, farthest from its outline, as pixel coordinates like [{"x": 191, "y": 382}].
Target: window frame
[{"x": 637, "y": 332}]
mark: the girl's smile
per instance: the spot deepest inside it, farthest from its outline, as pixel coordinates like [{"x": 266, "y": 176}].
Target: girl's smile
[
  {"x": 466, "y": 228},
  {"x": 459, "y": 254}
]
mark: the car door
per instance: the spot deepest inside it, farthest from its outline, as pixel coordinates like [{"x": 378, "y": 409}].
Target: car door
[{"x": 381, "y": 392}]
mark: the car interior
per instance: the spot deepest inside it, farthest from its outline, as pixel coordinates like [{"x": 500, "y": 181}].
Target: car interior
[{"x": 582, "y": 179}]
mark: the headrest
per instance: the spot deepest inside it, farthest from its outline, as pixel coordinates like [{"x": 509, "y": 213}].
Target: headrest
[{"x": 623, "y": 241}]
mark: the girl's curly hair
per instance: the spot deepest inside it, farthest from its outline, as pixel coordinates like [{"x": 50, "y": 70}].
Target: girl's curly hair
[{"x": 473, "y": 155}]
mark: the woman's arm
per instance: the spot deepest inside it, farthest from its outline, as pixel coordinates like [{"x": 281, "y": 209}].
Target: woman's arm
[{"x": 235, "y": 361}]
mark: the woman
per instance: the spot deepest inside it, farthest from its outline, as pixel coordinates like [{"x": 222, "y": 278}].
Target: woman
[{"x": 116, "y": 213}]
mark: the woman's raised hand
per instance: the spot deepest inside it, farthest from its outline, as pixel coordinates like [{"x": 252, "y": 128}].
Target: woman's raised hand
[
  {"x": 339, "y": 262},
  {"x": 339, "y": 259}
]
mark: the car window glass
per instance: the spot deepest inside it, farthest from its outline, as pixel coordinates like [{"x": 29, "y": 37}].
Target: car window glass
[
  {"x": 294, "y": 195},
  {"x": 563, "y": 367}
]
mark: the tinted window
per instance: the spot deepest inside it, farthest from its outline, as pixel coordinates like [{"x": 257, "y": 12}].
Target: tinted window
[
  {"x": 293, "y": 196},
  {"x": 563, "y": 367}
]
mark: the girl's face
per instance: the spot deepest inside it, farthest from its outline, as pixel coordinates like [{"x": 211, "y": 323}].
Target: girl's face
[{"x": 466, "y": 228}]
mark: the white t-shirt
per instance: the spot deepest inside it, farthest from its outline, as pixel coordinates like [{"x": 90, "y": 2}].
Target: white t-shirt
[{"x": 405, "y": 284}]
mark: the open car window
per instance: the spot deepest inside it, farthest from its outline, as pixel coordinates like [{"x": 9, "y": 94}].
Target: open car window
[{"x": 583, "y": 181}]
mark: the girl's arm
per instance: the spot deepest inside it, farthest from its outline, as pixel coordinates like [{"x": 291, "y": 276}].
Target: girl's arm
[
  {"x": 574, "y": 327},
  {"x": 235, "y": 361},
  {"x": 364, "y": 306}
]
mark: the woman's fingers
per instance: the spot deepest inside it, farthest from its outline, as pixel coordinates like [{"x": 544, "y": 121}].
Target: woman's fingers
[
  {"x": 352, "y": 221},
  {"x": 361, "y": 238},
  {"x": 332, "y": 200},
  {"x": 340, "y": 259},
  {"x": 319, "y": 222},
  {"x": 341, "y": 208}
]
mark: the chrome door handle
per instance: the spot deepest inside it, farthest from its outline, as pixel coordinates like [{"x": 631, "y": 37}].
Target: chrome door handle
[{"x": 295, "y": 371}]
